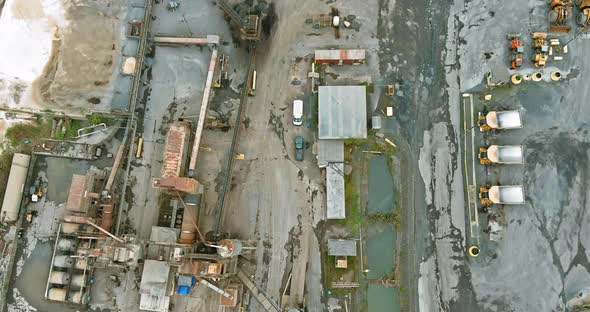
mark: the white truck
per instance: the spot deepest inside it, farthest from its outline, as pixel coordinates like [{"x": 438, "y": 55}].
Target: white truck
[
  {"x": 503, "y": 195},
  {"x": 499, "y": 120},
  {"x": 297, "y": 112},
  {"x": 501, "y": 154}
]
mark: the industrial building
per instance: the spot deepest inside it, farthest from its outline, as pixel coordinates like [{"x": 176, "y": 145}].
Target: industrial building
[
  {"x": 341, "y": 249},
  {"x": 342, "y": 56},
  {"x": 15, "y": 187},
  {"x": 342, "y": 112},
  {"x": 342, "y": 115},
  {"x": 82, "y": 191},
  {"x": 176, "y": 154},
  {"x": 155, "y": 286}
]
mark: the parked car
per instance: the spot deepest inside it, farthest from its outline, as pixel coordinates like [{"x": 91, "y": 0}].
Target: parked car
[{"x": 299, "y": 148}]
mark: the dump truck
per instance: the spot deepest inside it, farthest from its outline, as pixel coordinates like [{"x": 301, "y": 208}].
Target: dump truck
[
  {"x": 503, "y": 195},
  {"x": 501, "y": 154},
  {"x": 559, "y": 15},
  {"x": 499, "y": 120},
  {"x": 584, "y": 17}
]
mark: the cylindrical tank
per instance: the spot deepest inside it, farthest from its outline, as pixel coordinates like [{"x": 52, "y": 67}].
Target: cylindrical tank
[
  {"x": 58, "y": 277},
  {"x": 69, "y": 228},
  {"x": 63, "y": 261},
  {"x": 187, "y": 229},
  {"x": 516, "y": 79},
  {"x": 78, "y": 298},
  {"x": 81, "y": 264},
  {"x": 78, "y": 280},
  {"x": 231, "y": 248},
  {"x": 57, "y": 294},
  {"x": 555, "y": 76},
  {"x": 66, "y": 244},
  {"x": 14, "y": 187}
]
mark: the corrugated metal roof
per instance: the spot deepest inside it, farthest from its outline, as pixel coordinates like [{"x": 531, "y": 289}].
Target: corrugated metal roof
[
  {"x": 175, "y": 149},
  {"x": 342, "y": 247},
  {"x": 335, "y": 191},
  {"x": 330, "y": 151},
  {"x": 77, "y": 199},
  {"x": 343, "y": 54},
  {"x": 154, "y": 279},
  {"x": 342, "y": 112},
  {"x": 14, "y": 187}
]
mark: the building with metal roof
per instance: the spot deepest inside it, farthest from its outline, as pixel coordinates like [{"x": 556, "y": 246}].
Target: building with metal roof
[
  {"x": 15, "y": 187},
  {"x": 335, "y": 207},
  {"x": 342, "y": 247},
  {"x": 340, "y": 56},
  {"x": 176, "y": 154},
  {"x": 342, "y": 112},
  {"x": 154, "y": 286},
  {"x": 330, "y": 151}
]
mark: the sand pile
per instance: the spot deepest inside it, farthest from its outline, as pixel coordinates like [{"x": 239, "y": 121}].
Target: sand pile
[{"x": 60, "y": 54}]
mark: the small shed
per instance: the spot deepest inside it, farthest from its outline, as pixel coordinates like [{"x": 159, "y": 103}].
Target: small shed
[{"x": 342, "y": 249}]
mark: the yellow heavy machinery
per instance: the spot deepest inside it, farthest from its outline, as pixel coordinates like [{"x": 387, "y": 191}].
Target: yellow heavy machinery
[
  {"x": 501, "y": 195},
  {"x": 541, "y": 48},
  {"x": 501, "y": 154},
  {"x": 559, "y": 15},
  {"x": 584, "y": 17}
]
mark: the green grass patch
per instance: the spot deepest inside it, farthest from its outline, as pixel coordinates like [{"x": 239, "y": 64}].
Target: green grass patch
[
  {"x": 72, "y": 128},
  {"x": 5, "y": 163},
  {"x": 390, "y": 217},
  {"x": 354, "y": 218},
  {"x": 332, "y": 274},
  {"x": 97, "y": 118},
  {"x": 19, "y": 133}
]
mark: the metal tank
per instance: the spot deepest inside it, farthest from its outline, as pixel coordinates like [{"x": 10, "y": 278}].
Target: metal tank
[
  {"x": 81, "y": 264},
  {"x": 15, "y": 187},
  {"x": 58, "y": 277},
  {"x": 78, "y": 298},
  {"x": 66, "y": 244},
  {"x": 230, "y": 248},
  {"x": 78, "y": 280},
  {"x": 57, "y": 294},
  {"x": 69, "y": 228},
  {"x": 62, "y": 261}
]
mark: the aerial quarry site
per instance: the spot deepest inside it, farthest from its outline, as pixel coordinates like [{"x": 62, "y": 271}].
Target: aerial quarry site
[{"x": 294, "y": 155}]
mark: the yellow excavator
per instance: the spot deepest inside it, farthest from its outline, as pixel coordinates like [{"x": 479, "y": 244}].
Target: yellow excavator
[
  {"x": 541, "y": 48},
  {"x": 584, "y": 17},
  {"x": 559, "y": 15}
]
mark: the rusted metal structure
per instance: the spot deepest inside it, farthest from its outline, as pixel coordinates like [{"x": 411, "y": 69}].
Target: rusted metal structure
[
  {"x": 175, "y": 158},
  {"x": 344, "y": 56}
]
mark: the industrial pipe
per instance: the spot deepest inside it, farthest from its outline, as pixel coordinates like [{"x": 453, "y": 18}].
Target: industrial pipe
[
  {"x": 216, "y": 289},
  {"x": 105, "y": 231},
  {"x": 203, "y": 113}
]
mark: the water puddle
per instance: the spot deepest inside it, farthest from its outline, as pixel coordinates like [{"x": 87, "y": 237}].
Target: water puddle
[{"x": 381, "y": 238}]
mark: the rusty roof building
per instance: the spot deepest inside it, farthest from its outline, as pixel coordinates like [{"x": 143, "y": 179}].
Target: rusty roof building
[
  {"x": 176, "y": 154},
  {"x": 176, "y": 150},
  {"x": 78, "y": 199}
]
